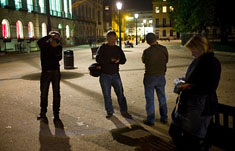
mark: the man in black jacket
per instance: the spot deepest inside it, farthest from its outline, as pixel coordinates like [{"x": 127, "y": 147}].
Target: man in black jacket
[
  {"x": 110, "y": 56},
  {"x": 51, "y": 54}
]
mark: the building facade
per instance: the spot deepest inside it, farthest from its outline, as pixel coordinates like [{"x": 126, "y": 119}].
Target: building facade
[
  {"x": 143, "y": 24},
  {"x": 25, "y": 21},
  {"x": 161, "y": 21}
]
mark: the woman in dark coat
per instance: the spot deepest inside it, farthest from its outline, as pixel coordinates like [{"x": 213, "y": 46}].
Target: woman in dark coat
[{"x": 197, "y": 102}]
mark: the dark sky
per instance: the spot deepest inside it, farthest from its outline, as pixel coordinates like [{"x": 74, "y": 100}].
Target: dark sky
[{"x": 137, "y": 4}]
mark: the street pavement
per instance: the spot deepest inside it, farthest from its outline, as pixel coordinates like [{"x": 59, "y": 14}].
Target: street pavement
[{"x": 84, "y": 126}]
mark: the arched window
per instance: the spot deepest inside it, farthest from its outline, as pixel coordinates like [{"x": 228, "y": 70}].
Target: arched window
[
  {"x": 67, "y": 31},
  {"x": 30, "y": 5},
  {"x": 42, "y": 6},
  {"x": 19, "y": 30},
  {"x": 31, "y": 30},
  {"x": 60, "y": 29},
  {"x": 44, "y": 29},
  {"x": 5, "y": 29},
  {"x": 18, "y": 4}
]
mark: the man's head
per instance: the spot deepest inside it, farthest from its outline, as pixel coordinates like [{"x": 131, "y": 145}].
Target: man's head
[
  {"x": 111, "y": 37},
  {"x": 55, "y": 35},
  {"x": 151, "y": 38}
]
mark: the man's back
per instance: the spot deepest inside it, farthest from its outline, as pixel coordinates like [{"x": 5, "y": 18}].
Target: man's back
[{"x": 155, "y": 59}]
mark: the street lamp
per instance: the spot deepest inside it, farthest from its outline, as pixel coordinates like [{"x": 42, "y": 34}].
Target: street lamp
[
  {"x": 119, "y": 7},
  {"x": 136, "y": 17},
  {"x": 144, "y": 22}
]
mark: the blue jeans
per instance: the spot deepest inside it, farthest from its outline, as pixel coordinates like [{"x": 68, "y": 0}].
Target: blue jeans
[
  {"x": 157, "y": 83},
  {"x": 106, "y": 81}
]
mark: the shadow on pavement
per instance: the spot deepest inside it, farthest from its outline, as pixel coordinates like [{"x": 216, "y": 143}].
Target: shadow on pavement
[
  {"x": 64, "y": 75},
  {"x": 57, "y": 142},
  {"x": 137, "y": 136}
]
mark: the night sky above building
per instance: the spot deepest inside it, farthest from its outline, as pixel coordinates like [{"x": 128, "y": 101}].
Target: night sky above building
[{"x": 137, "y": 4}]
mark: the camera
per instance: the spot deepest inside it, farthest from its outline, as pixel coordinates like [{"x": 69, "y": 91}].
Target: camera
[{"x": 178, "y": 83}]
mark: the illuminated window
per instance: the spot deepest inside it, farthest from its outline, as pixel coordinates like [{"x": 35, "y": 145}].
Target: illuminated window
[
  {"x": 171, "y": 9},
  {"x": 44, "y": 29},
  {"x": 67, "y": 31},
  {"x": 164, "y": 0},
  {"x": 18, "y": 4},
  {"x": 164, "y": 9},
  {"x": 30, "y": 5},
  {"x": 42, "y": 6},
  {"x": 65, "y": 8},
  {"x": 60, "y": 29},
  {"x": 70, "y": 7},
  {"x": 157, "y": 9},
  {"x": 31, "y": 30},
  {"x": 4, "y": 2},
  {"x": 5, "y": 29},
  {"x": 58, "y": 7},
  {"x": 19, "y": 30},
  {"x": 55, "y": 7}
]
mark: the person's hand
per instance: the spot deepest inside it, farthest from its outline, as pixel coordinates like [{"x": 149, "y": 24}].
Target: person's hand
[
  {"x": 185, "y": 86},
  {"x": 115, "y": 60}
]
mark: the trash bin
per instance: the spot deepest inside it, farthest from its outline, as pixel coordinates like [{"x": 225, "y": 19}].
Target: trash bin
[{"x": 68, "y": 59}]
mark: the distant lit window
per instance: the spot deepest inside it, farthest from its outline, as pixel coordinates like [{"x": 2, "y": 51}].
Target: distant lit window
[
  {"x": 171, "y": 8},
  {"x": 18, "y": 4},
  {"x": 44, "y": 29},
  {"x": 19, "y": 30},
  {"x": 42, "y": 6},
  {"x": 164, "y": 0},
  {"x": 30, "y": 5},
  {"x": 106, "y": 8},
  {"x": 157, "y": 9},
  {"x": 5, "y": 29},
  {"x": 67, "y": 31},
  {"x": 31, "y": 30},
  {"x": 164, "y": 9}
]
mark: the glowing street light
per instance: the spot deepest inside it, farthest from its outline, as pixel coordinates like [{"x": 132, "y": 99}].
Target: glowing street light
[
  {"x": 119, "y": 7},
  {"x": 136, "y": 17}
]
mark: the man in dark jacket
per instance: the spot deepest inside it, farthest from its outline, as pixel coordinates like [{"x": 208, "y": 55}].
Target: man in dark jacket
[
  {"x": 155, "y": 59},
  {"x": 51, "y": 54},
  {"x": 110, "y": 56}
]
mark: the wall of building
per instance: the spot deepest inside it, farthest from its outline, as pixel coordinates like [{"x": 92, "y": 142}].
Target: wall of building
[{"x": 77, "y": 24}]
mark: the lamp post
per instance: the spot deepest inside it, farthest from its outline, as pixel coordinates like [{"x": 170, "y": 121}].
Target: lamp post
[
  {"x": 48, "y": 16},
  {"x": 136, "y": 17},
  {"x": 144, "y": 21},
  {"x": 119, "y": 7}
]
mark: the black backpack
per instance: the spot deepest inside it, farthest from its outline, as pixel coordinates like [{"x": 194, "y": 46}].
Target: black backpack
[{"x": 94, "y": 71}]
